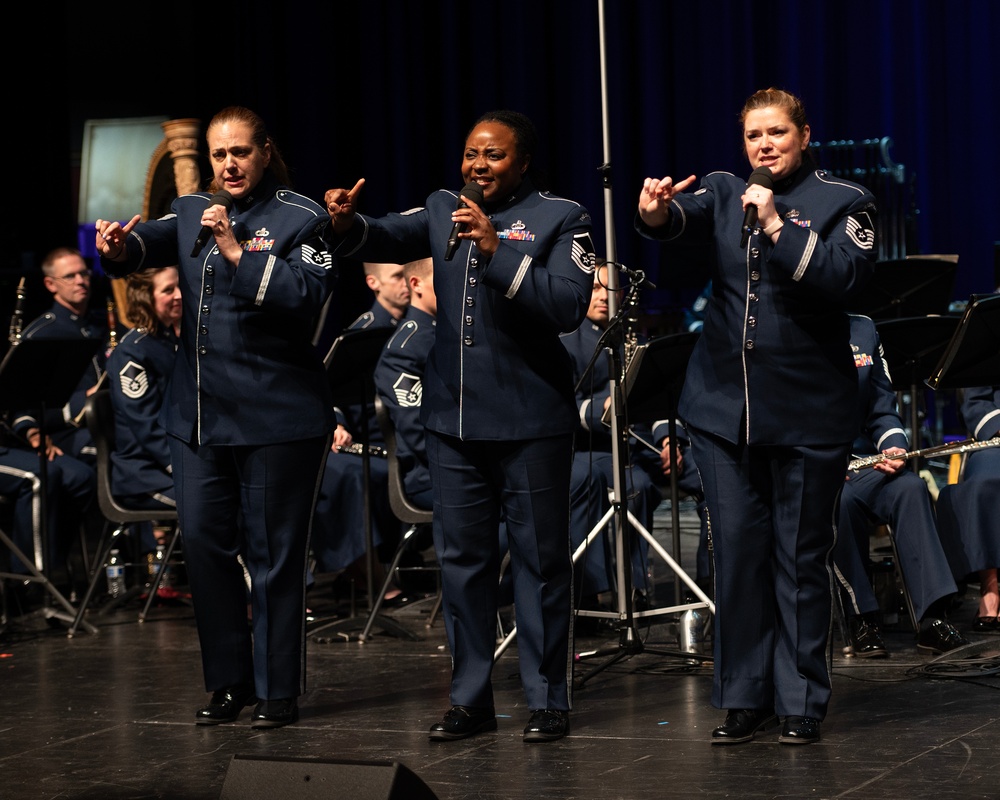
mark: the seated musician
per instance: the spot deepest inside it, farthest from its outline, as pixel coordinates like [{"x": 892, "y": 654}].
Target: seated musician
[
  {"x": 139, "y": 368},
  {"x": 338, "y": 539},
  {"x": 69, "y": 279},
  {"x": 888, "y": 493},
  {"x": 968, "y": 510}
]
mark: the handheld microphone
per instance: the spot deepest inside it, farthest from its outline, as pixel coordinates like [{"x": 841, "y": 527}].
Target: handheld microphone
[
  {"x": 473, "y": 191},
  {"x": 220, "y": 198},
  {"x": 759, "y": 177}
]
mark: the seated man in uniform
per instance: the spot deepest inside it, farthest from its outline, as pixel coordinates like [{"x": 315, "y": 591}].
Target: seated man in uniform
[
  {"x": 398, "y": 378},
  {"x": 643, "y": 465},
  {"x": 68, "y": 278},
  {"x": 338, "y": 539},
  {"x": 888, "y": 493}
]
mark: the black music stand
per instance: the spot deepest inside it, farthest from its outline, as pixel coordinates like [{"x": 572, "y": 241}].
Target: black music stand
[
  {"x": 913, "y": 345},
  {"x": 653, "y": 381},
  {"x": 972, "y": 356},
  {"x": 908, "y": 287},
  {"x": 350, "y": 366},
  {"x": 41, "y": 374}
]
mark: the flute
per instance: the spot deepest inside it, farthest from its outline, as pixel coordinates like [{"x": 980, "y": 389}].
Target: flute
[{"x": 939, "y": 450}]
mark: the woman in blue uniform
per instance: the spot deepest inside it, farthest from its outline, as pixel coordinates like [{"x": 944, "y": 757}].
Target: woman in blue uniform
[
  {"x": 770, "y": 404},
  {"x": 967, "y": 510},
  {"x": 248, "y": 411},
  {"x": 139, "y": 368},
  {"x": 498, "y": 408}
]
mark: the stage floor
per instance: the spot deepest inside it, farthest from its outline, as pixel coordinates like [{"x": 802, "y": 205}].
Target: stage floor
[{"x": 110, "y": 716}]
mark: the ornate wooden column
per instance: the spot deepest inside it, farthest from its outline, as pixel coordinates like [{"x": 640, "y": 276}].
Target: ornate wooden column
[{"x": 173, "y": 171}]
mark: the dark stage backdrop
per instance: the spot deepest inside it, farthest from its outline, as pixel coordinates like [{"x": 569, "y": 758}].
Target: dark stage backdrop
[{"x": 387, "y": 90}]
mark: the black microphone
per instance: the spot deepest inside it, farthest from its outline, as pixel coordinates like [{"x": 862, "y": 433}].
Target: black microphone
[
  {"x": 473, "y": 191},
  {"x": 759, "y": 177},
  {"x": 220, "y": 198},
  {"x": 636, "y": 276}
]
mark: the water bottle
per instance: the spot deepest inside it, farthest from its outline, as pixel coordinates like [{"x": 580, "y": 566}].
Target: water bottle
[
  {"x": 693, "y": 630},
  {"x": 116, "y": 574}
]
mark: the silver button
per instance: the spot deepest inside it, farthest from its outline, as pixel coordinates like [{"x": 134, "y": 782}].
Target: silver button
[{"x": 749, "y": 344}]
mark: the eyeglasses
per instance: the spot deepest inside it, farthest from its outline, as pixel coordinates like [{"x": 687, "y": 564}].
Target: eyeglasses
[{"x": 85, "y": 274}]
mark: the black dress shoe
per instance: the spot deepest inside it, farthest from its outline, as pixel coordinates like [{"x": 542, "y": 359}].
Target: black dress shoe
[
  {"x": 940, "y": 637},
  {"x": 275, "y": 713},
  {"x": 866, "y": 638},
  {"x": 742, "y": 724},
  {"x": 226, "y": 705},
  {"x": 461, "y": 722},
  {"x": 546, "y": 725},
  {"x": 799, "y": 730},
  {"x": 985, "y": 625}
]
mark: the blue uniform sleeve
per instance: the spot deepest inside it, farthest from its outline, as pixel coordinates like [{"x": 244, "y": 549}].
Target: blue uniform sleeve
[
  {"x": 981, "y": 411},
  {"x": 883, "y": 424}
]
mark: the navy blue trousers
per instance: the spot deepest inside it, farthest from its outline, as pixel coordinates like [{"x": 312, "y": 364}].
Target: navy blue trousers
[
  {"x": 773, "y": 516},
  {"x": 528, "y": 482},
  {"x": 256, "y": 502}
]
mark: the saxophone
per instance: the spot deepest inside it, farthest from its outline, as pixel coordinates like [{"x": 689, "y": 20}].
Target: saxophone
[{"x": 17, "y": 318}]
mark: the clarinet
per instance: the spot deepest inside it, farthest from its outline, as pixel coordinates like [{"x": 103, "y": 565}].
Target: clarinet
[
  {"x": 357, "y": 449},
  {"x": 17, "y": 318},
  {"x": 112, "y": 327}
]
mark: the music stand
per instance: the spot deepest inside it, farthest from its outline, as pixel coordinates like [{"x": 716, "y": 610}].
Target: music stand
[
  {"x": 43, "y": 373},
  {"x": 350, "y": 366},
  {"x": 972, "y": 356},
  {"x": 653, "y": 379},
  {"x": 912, "y": 346},
  {"x": 908, "y": 287}
]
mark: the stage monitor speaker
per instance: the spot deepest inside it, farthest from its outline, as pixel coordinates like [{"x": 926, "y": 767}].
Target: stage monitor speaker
[{"x": 253, "y": 777}]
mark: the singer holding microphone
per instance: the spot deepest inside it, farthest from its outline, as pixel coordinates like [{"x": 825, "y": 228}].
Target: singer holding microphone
[
  {"x": 770, "y": 403},
  {"x": 513, "y": 267},
  {"x": 248, "y": 412}
]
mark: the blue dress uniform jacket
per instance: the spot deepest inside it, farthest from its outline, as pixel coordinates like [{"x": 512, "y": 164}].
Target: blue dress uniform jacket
[
  {"x": 498, "y": 319},
  {"x": 399, "y": 382},
  {"x": 246, "y": 371},
  {"x": 61, "y": 323},
  {"x": 773, "y": 364},
  {"x": 981, "y": 411},
  {"x": 249, "y": 414},
  {"x": 870, "y": 497},
  {"x": 499, "y": 410},
  {"x": 770, "y": 404},
  {"x": 968, "y": 510},
  {"x": 139, "y": 369}
]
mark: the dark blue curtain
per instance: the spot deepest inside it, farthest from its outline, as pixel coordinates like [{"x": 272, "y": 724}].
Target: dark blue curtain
[{"x": 387, "y": 90}]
